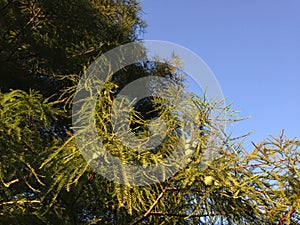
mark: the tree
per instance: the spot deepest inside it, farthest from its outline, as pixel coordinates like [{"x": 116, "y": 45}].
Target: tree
[
  {"x": 46, "y": 180},
  {"x": 41, "y": 40}
]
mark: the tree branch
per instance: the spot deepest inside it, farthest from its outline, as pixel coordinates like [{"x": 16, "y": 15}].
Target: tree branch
[
  {"x": 10, "y": 182},
  {"x": 286, "y": 216},
  {"x": 266, "y": 163},
  {"x": 21, "y": 202},
  {"x": 84, "y": 52},
  {"x": 151, "y": 208},
  {"x": 20, "y": 32},
  {"x": 182, "y": 215},
  {"x": 59, "y": 101}
]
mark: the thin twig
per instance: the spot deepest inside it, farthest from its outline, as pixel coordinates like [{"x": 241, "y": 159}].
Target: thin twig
[
  {"x": 20, "y": 32},
  {"x": 21, "y": 202},
  {"x": 265, "y": 163},
  {"x": 182, "y": 215},
  {"x": 10, "y": 182},
  {"x": 26, "y": 25},
  {"x": 84, "y": 52},
  {"x": 59, "y": 101},
  {"x": 287, "y": 215},
  {"x": 151, "y": 208}
]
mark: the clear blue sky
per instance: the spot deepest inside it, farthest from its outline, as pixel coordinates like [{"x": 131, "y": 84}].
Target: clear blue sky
[{"x": 253, "y": 48}]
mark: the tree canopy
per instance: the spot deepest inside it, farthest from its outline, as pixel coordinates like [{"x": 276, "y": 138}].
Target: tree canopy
[{"x": 45, "y": 48}]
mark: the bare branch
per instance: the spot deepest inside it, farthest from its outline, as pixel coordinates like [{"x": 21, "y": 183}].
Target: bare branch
[{"x": 151, "y": 208}]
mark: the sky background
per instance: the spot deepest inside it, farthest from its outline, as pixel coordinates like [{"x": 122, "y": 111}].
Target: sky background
[{"x": 253, "y": 48}]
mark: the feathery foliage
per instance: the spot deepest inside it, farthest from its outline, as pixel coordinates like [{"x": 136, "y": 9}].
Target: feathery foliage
[{"x": 45, "y": 178}]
